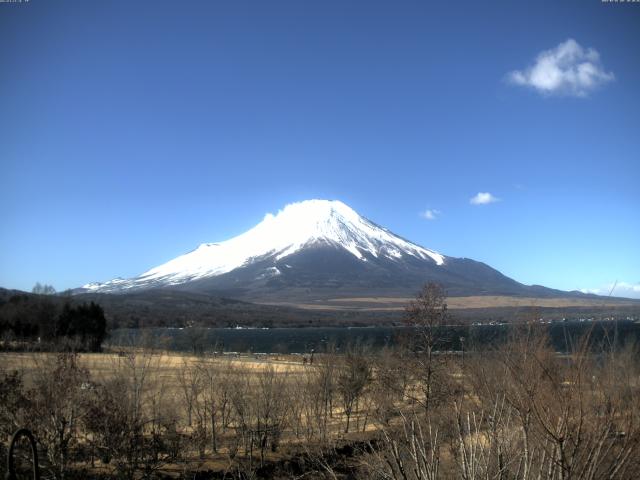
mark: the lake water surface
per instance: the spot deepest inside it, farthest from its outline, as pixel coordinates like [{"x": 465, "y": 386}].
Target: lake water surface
[{"x": 302, "y": 340}]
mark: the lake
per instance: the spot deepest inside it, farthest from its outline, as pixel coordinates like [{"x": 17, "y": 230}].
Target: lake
[{"x": 302, "y": 340}]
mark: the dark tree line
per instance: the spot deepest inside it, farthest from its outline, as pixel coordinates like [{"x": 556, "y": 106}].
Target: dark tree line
[
  {"x": 85, "y": 322},
  {"x": 47, "y": 321}
]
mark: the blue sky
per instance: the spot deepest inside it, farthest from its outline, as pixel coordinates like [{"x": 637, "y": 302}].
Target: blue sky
[{"x": 132, "y": 131}]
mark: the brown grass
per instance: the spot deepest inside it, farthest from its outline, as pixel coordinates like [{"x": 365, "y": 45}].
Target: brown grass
[
  {"x": 166, "y": 365},
  {"x": 457, "y": 303}
]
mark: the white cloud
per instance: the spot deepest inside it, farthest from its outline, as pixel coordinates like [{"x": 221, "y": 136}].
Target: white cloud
[
  {"x": 430, "y": 214},
  {"x": 620, "y": 289},
  {"x": 566, "y": 69},
  {"x": 483, "y": 198}
]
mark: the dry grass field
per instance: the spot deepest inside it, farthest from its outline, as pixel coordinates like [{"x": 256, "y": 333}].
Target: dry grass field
[
  {"x": 459, "y": 303},
  {"x": 167, "y": 364},
  {"x": 153, "y": 414},
  {"x": 254, "y": 395}
]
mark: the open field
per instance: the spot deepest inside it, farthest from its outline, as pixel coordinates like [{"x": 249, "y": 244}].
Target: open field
[
  {"x": 153, "y": 414},
  {"x": 166, "y": 364},
  {"x": 460, "y": 303},
  {"x": 181, "y": 387}
]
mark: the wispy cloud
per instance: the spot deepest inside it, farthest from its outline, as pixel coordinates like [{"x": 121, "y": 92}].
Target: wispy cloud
[
  {"x": 620, "y": 289},
  {"x": 566, "y": 69},
  {"x": 483, "y": 198},
  {"x": 430, "y": 214}
]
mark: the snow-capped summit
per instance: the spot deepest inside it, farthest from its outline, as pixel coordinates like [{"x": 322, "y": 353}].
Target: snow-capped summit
[
  {"x": 311, "y": 224},
  {"x": 314, "y": 250}
]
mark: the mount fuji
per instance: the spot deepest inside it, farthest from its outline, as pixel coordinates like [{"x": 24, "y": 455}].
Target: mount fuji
[{"x": 318, "y": 249}]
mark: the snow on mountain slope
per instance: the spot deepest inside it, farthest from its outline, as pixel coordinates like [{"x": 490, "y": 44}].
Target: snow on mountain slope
[{"x": 295, "y": 227}]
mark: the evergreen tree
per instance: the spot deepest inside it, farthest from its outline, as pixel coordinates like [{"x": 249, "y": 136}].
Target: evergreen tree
[{"x": 85, "y": 322}]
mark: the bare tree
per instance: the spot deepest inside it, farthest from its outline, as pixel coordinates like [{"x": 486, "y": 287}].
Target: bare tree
[
  {"x": 190, "y": 383},
  {"x": 272, "y": 409},
  {"x": 14, "y": 404},
  {"x": 127, "y": 419},
  {"x": 211, "y": 375},
  {"x": 428, "y": 314},
  {"x": 57, "y": 408},
  {"x": 45, "y": 289},
  {"x": 409, "y": 452},
  {"x": 390, "y": 383},
  {"x": 352, "y": 378},
  {"x": 543, "y": 416}
]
